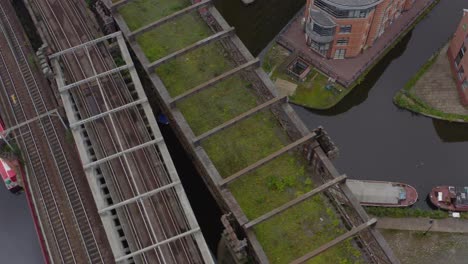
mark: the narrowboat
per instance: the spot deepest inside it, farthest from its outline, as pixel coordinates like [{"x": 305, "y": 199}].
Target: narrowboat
[{"x": 382, "y": 193}]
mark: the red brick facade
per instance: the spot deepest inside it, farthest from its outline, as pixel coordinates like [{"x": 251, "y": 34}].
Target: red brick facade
[
  {"x": 364, "y": 28},
  {"x": 459, "y": 59}
]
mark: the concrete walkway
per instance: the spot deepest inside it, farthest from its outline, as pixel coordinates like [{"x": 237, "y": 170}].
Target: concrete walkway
[
  {"x": 437, "y": 87},
  {"x": 448, "y": 225}
]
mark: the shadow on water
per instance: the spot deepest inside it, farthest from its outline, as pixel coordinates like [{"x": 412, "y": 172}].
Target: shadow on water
[
  {"x": 259, "y": 22},
  {"x": 203, "y": 204},
  {"x": 360, "y": 93},
  {"x": 451, "y": 132}
]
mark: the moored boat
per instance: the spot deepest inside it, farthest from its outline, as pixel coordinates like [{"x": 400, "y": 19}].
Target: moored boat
[
  {"x": 450, "y": 198},
  {"x": 382, "y": 193}
]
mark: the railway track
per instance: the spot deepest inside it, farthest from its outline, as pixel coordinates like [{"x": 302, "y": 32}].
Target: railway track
[
  {"x": 159, "y": 217},
  {"x": 46, "y": 158}
]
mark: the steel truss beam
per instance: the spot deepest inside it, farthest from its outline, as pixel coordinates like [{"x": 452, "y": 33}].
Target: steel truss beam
[
  {"x": 139, "y": 197},
  {"x": 203, "y": 86},
  {"x": 296, "y": 201},
  {"x": 86, "y": 44},
  {"x": 168, "y": 18},
  {"x": 169, "y": 240},
  {"x": 95, "y": 77},
  {"x": 267, "y": 159},
  {"x": 121, "y": 153},
  {"x": 335, "y": 241},
  {"x": 101, "y": 115},
  {"x": 9, "y": 130},
  {"x": 200, "y": 43}
]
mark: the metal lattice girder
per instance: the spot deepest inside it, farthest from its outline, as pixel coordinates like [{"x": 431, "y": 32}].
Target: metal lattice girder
[
  {"x": 121, "y": 153},
  {"x": 95, "y": 77},
  {"x": 169, "y": 18},
  {"x": 296, "y": 201},
  {"x": 217, "y": 79},
  {"x": 169, "y": 240},
  {"x": 238, "y": 118},
  {"x": 86, "y": 44},
  {"x": 101, "y": 115},
  {"x": 267, "y": 159},
  {"x": 139, "y": 197},
  {"x": 335, "y": 241},
  {"x": 200, "y": 43}
]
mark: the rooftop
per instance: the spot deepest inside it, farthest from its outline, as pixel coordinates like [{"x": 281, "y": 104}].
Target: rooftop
[{"x": 353, "y": 4}]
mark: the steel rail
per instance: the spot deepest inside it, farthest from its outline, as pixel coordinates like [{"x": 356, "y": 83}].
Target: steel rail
[
  {"x": 166, "y": 174},
  {"x": 40, "y": 161},
  {"x": 71, "y": 72}
]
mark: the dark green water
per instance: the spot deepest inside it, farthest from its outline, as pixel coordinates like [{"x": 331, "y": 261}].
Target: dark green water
[{"x": 377, "y": 140}]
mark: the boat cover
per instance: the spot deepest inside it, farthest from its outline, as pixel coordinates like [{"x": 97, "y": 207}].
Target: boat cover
[{"x": 375, "y": 192}]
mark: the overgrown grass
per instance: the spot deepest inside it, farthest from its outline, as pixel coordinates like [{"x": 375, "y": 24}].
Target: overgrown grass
[
  {"x": 245, "y": 143},
  {"x": 303, "y": 228},
  {"x": 409, "y": 212},
  {"x": 138, "y": 13},
  {"x": 173, "y": 36},
  {"x": 310, "y": 93}
]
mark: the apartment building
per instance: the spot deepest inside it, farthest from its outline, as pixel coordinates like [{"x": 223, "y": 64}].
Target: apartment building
[
  {"x": 458, "y": 61},
  {"x": 339, "y": 29}
]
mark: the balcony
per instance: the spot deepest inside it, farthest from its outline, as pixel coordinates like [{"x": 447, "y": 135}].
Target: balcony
[{"x": 321, "y": 28}]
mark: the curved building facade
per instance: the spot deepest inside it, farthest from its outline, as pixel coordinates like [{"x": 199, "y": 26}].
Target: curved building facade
[{"x": 340, "y": 29}]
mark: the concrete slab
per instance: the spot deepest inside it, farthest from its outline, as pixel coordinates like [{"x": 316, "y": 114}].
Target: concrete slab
[{"x": 285, "y": 88}]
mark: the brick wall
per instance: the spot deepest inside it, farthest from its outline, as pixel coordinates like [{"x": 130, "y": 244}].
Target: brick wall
[
  {"x": 365, "y": 30},
  {"x": 460, "y": 39}
]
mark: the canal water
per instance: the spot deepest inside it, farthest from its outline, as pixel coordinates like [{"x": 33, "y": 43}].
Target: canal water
[
  {"x": 377, "y": 140},
  {"x": 18, "y": 239}
]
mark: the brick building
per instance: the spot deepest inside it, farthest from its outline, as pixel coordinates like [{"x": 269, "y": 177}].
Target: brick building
[
  {"x": 458, "y": 60},
  {"x": 341, "y": 29}
]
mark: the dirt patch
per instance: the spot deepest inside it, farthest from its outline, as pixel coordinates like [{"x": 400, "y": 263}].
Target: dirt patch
[{"x": 413, "y": 247}]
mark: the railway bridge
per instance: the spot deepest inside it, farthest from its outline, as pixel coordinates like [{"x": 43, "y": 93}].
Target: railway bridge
[
  {"x": 284, "y": 200},
  {"x": 110, "y": 192}
]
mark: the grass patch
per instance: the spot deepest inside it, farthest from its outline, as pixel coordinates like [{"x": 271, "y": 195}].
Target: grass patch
[
  {"x": 309, "y": 93},
  {"x": 303, "y": 228},
  {"x": 196, "y": 67},
  {"x": 409, "y": 212},
  {"x": 139, "y": 13},
  {"x": 173, "y": 36}
]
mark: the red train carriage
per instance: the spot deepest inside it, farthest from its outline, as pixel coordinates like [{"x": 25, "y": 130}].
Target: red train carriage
[{"x": 9, "y": 175}]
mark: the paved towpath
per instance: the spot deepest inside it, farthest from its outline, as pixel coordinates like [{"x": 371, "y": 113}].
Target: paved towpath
[
  {"x": 449, "y": 225},
  {"x": 437, "y": 87}
]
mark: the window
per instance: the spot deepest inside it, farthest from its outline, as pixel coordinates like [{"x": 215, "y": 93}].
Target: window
[
  {"x": 340, "y": 53},
  {"x": 460, "y": 55},
  {"x": 323, "y": 31},
  {"x": 342, "y": 41},
  {"x": 342, "y": 13},
  {"x": 321, "y": 48},
  {"x": 461, "y": 73},
  {"x": 345, "y": 29},
  {"x": 465, "y": 84}
]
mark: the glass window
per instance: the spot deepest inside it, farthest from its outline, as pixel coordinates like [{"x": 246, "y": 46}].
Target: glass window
[
  {"x": 341, "y": 13},
  {"x": 323, "y": 31},
  {"x": 460, "y": 55},
  {"x": 461, "y": 73},
  {"x": 465, "y": 84},
  {"x": 345, "y": 29},
  {"x": 342, "y": 41},
  {"x": 340, "y": 53}
]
